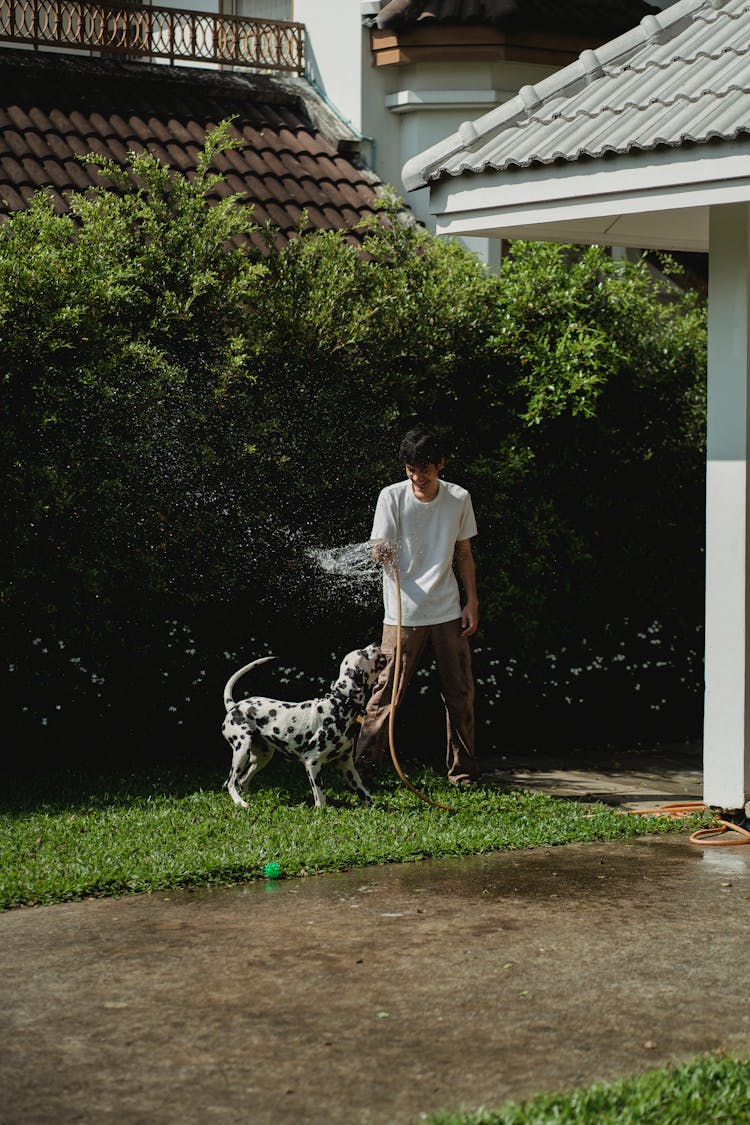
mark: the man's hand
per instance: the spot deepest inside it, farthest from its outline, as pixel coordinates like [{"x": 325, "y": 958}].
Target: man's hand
[
  {"x": 383, "y": 551},
  {"x": 469, "y": 619}
]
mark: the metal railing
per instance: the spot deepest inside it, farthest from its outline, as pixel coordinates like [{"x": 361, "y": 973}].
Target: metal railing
[{"x": 154, "y": 32}]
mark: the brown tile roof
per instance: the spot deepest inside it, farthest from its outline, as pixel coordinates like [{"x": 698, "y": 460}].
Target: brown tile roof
[
  {"x": 54, "y": 108},
  {"x": 593, "y": 18}
]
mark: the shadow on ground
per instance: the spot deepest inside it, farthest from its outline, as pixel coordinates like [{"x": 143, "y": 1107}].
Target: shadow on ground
[{"x": 633, "y": 778}]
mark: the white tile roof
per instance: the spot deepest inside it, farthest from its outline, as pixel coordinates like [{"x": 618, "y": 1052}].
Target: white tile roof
[{"x": 679, "y": 77}]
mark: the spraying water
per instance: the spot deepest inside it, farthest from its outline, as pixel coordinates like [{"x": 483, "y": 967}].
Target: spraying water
[{"x": 351, "y": 566}]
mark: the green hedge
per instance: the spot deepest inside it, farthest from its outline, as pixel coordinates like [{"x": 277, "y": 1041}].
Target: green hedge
[{"x": 181, "y": 420}]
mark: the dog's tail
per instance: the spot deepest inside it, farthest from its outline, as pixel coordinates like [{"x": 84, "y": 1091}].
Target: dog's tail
[{"x": 229, "y": 689}]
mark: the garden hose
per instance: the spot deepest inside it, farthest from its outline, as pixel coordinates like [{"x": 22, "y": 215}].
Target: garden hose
[
  {"x": 394, "y": 697},
  {"x": 725, "y": 832},
  {"x": 722, "y": 834}
]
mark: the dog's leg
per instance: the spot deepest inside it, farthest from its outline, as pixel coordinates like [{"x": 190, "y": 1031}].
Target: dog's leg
[
  {"x": 352, "y": 778},
  {"x": 240, "y": 759},
  {"x": 313, "y": 768},
  {"x": 246, "y": 762}
]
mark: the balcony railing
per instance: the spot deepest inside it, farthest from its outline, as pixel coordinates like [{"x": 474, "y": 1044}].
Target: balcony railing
[{"x": 154, "y": 32}]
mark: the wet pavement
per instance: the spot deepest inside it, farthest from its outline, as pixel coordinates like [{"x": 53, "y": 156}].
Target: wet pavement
[{"x": 377, "y": 995}]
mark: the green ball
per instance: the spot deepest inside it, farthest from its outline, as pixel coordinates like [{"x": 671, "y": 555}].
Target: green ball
[{"x": 272, "y": 870}]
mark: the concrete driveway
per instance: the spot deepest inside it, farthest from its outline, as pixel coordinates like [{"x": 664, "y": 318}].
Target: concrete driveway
[{"x": 377, "y": 995}]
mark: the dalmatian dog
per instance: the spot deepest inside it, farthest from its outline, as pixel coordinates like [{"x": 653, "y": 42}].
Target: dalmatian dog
[{"x": 315, "y": 732}]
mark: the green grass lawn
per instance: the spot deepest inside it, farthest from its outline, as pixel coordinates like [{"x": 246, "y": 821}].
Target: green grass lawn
[
  {"x": 708, "y": 1091},
  {"x": 79, "y": 835}
]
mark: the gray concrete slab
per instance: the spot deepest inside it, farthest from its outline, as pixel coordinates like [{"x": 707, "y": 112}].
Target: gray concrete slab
[
  {"x": 376, "y": 995},
  {"x": 643, "y": 778}
]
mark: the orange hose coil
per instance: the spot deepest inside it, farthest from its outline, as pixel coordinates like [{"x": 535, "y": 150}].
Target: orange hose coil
[{"x": 721, "y": 835}]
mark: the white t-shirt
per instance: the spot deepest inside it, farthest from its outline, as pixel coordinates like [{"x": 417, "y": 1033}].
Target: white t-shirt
[{"x": 425, "y": 537}]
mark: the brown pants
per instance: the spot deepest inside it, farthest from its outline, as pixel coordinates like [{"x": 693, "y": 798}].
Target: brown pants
[{"x": 453, "y": 659}]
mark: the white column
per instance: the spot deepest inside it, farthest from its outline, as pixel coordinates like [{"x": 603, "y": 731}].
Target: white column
[{"x": 726, "y": 741}]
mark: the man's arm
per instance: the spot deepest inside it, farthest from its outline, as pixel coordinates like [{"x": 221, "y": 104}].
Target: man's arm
[
  {"x": 384, "y": 529},
  {"x": 467, "y": 574}
]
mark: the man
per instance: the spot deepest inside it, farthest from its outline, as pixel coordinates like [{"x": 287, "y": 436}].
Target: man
[{"x": 423, "y": 524}]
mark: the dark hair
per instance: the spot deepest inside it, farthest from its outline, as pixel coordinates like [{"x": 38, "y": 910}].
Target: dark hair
[{"x": 421, "y": 447}]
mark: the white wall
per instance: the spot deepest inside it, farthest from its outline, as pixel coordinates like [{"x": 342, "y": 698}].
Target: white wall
[
  {"x": 726, "y": 737},
  {"x": 334, "y": 50},
  {"x": 414, "y": 107}
]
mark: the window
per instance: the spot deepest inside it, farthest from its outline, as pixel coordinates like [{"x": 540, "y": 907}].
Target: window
[{"x": 262, "y": 9}]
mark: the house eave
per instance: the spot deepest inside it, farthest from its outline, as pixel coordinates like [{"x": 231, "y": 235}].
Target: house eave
[{"x": 645, "y": 199}]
